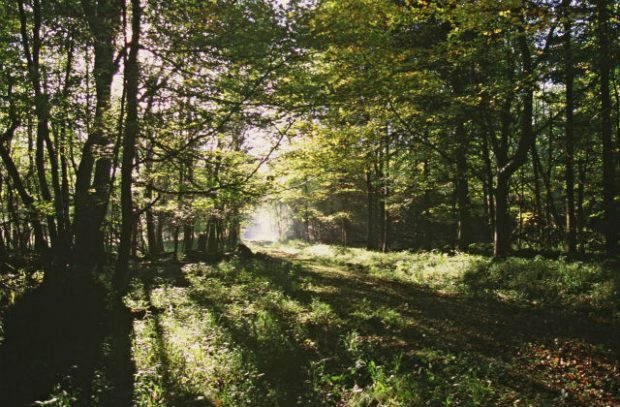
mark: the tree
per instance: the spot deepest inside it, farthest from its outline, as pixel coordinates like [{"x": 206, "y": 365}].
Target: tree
[
  {"x": 132, "y": 72},
  {"x": 604, "y": 68}
]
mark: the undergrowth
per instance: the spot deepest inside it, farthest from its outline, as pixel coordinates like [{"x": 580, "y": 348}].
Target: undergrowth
[
  {"x": 592, "y": 287},
  {"x": 316, "y": 325}
]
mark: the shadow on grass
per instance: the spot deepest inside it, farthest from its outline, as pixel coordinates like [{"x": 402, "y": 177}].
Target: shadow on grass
[
  {"x": 61, "y": 343},
  {"x": 269, "y": 344},
  {"x": 487, "y": 331},
  {"x": 174, "y": 394}
]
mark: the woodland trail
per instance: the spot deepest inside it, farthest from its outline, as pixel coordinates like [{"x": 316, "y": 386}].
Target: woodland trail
[
  {"x": 286, "y": 327},
  {"x": 318, "y": 333}
]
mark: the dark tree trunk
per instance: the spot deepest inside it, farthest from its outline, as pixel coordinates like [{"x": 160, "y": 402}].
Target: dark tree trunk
[
  {"x": 94, "y": 171},
  {"x": 380, "y": 198},
  {"x": 129, "y": 151},
  {"x": 175, "y": 240},
  {"x": 188, "y": 236},
  {"x": 385, "y": 240},
  {"x": 212, "y": 240},
  {"x": 502, "y": 238},
  {"x": 234, "y": 229},
  {"x": 581, "y": 182},
  {"x": 604, "y": 66},
  {"x": 527, "y": 138},
  {"x": 370, "y": 203},
  {"x": 4, "y": 255},
  {"x": 571, "y": 227},
  {"x": 151, "y": 238},
  {"x": 488, "y": 169},
  {"x": 541, "y": 223},
  {"x": 462, "y": 189},
  {"x": 136, "y": 237}
]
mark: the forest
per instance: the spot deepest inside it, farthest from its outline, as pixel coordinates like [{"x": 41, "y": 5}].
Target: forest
[{"x": 309, "y": 203}]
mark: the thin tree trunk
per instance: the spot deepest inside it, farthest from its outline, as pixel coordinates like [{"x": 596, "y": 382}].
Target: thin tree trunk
[
  {"x": 386, "y": 194},
  {"x": 569, "y": 175},
  {"x": 462, "y": 189},
  {"x": 18, "y": 183},
  {"x": 502, "y": 218},
  {"x": 581, "y": 182},
  {"x": 370, "y": 227},
  {"x": 42, "y": 113},
  {"x": 489, "y": 182},
  {"x": 542, "y": 224},
  {"x": 159, "y": 235}
]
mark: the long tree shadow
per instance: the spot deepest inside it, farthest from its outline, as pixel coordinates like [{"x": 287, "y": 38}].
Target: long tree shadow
[
  {"x": 63, "y": 339},
  {"x": 269, "y": 343},
  {"x": 489, "y": 330},
  {"x": 174, "y": 393}
]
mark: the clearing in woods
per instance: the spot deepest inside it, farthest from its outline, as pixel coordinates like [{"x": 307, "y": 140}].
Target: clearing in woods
[{"x": 318, "y": 325}]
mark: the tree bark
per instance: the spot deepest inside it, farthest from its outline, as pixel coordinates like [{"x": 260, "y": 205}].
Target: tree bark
[
  {"x": 604, "y": 67},
  {"x": 370, "y": 203},
  {"x": 542, "y": 224},
  {"x": 527, "y": 138},
  {"x": 93, "y": 176},
  {"x": 462, "y": 189},
  {"x": 569, "y": 175},
  {"x": 502, "y": 219},
  {"x": 132, "y": 76}
]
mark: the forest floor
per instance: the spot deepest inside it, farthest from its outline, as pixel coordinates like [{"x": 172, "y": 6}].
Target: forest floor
[{"x": 320, "y": 325}]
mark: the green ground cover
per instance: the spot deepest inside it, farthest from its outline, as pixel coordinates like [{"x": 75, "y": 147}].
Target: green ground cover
[
  {"x": 319, "y": 325},
  {"x": 316, "y": 325}
]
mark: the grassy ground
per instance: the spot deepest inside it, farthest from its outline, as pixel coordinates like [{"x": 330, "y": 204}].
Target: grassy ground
[
  {"x": 327, "y": 326},
  {"x": 317, "y": 325}
]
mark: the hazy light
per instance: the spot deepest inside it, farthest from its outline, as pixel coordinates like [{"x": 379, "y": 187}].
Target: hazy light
[{"x": 263, "y": 226}]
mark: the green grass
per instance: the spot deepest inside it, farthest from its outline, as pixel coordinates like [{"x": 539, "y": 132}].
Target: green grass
[
  {"x": 316, "y": 325},
  {"x": 328, "y": 326},
  {"x": 571, "y": 285}
]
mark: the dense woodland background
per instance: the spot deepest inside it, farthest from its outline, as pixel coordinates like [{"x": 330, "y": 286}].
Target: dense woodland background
[
  {"x": 143, "y": 129},
  {"x": 406, "y": 125}
]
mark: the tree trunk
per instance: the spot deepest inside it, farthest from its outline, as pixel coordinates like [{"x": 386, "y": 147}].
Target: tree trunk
[
  {"x": 380, "y": 197},
  {"x": 3, "y": 250},
  {"x": 604, "y": 67},
  {"x": 94, "y": 171},
  {"x": 42, "y": 113},
  {"x": 385, "y": 239},
  {"x": 527, "y": 138},
  {"x": 188, "y": 236},
  {"x": 132, "y": 72},
  {"x": 212, "y": 243},
  {"x": 581, "y": 182},
  {"x": 542, "y": 225},
  {"x": 569, "y": 175},
  {"x": 159, "y": 235},
  {"x": 488, "y": 169},
  {"x": 175, "y": 241},
  {"x": 151, "y": 238},
  {"x": 370, "y": 203},
  {"x": 502, "y": 218},
  {"x": 462, "y": 189},
  {"x": 39, "y": 239}
]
